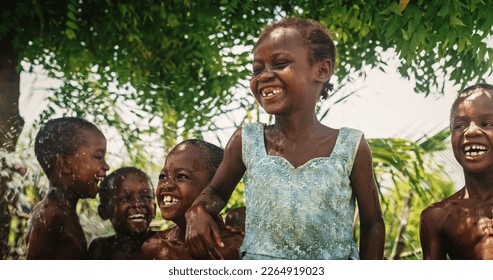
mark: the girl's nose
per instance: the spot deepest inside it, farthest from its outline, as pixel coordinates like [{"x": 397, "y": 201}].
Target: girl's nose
[{"x": 265, "y": 75}]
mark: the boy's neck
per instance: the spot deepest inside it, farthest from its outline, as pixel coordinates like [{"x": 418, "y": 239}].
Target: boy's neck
[
  {"x": 479, "y": 185},
  {"x": 130, "y": 238},
  {"x": 67, "y": 198}
]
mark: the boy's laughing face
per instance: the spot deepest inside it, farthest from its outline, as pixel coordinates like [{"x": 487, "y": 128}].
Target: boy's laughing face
[
  {"x": 132, "y": 204},
  {"x": 472, "y": 131},
  {"x": 88, "y": 165}
]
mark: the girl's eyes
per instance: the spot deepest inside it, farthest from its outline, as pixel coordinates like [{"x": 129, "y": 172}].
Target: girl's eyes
[
  {"x": 281, "y": 65},
  {"x": 257, "y": 71},
  {"x": 162, "y": 177},
  {"x": 277, "y": 66}
]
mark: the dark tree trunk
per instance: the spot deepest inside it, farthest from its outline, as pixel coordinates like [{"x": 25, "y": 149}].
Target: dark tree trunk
[{"x": 11, "y": 124}]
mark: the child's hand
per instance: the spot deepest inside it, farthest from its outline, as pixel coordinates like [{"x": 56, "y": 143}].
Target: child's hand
[
  {"x": 235, "y": 230},
  {"x": 202, "y": 236}
]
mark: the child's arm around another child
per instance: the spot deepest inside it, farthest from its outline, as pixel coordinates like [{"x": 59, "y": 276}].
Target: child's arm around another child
[{"x": 212, "y": 200}]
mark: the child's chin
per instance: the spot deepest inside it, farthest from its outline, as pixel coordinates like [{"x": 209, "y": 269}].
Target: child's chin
[
  {"x": 139, "y": 229},
  {"x": 89, "y": 195}
]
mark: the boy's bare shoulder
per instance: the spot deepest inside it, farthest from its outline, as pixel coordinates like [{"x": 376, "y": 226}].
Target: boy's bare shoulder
[
  {"x": 157, "y": 237},
  {"x": 443, "y": 208},
  {"x": 99, "y": 246},
  {"x": 101, "y": 242},
  {"x": 48, "y": 211},
  {"x": 161, "y": 246}
]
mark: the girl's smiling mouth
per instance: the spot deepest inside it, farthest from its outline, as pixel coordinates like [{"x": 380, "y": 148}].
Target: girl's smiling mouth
[{"x": 270, "y": 91}]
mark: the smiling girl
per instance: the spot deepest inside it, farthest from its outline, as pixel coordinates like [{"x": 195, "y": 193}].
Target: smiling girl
[{"x": 302, "y": 178}]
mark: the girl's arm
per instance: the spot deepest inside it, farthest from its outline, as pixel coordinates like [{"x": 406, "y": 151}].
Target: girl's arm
[
  {"x": 202, "y": 234},
  {"x": 372, "y": 228}
]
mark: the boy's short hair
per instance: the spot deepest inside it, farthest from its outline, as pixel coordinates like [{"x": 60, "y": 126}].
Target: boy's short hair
[
  {"x": 111, "y": 183},
  {"x": 57, "y": 137},
  {"x": 214, "y": 154},
  {"x": 466, "y": 92}
]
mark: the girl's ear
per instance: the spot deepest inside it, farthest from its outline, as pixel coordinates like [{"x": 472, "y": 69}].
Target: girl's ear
[
  {"x": 63, "y": 164},
  {"x": 324, "y": 71}
]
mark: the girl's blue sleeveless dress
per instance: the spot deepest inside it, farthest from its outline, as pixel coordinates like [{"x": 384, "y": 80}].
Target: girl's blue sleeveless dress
[{"x": 298, "y": 213}]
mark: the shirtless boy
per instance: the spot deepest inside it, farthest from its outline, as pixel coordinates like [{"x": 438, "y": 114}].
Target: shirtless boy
[
  {"x": 188, "y": 169},
  {"x": 71, "y": 152},
  {"x": 461, "y": 226}
]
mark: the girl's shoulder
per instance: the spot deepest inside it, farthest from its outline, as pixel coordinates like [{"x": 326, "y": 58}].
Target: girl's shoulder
[{"x": 350, "y": 132}]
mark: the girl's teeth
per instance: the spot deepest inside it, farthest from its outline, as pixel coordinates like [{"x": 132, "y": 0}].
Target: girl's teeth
[{"x": 270, "y": 92}]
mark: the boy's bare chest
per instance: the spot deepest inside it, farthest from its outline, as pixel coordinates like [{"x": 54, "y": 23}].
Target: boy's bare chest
[
  {"x": 72, "y": 241},
  {"x": 469, "y": 231}
]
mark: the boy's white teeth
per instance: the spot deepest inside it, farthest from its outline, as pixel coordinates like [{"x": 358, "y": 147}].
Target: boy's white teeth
[
  {"x": 266, "y": 92},
  {"x": 136, "y": 217},
  {"x": 169, "y": 199},
  {"x": 475, "y": 150}
]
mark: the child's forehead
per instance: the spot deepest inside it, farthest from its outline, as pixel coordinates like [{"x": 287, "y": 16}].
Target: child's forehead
[
  {"x": 479, "y": 94},
  {"x": 86, "y": 136},
  {"x": 133, "y": 181},
  {"x": 479, "y": 99},
  {"x": 191, "y": 152},
  {"x": 280, "y": 35}
]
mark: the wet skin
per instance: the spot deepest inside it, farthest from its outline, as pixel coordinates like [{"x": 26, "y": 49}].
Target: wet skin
[
  {"x": 54, "y": 230},
  {"x": 235, "y": 220},
  {"x": 180, "y": 182},
  {"x": 461, "y": 226},
  {"x": 131, "y": 210},
  {"x": 133, "y": 206}
]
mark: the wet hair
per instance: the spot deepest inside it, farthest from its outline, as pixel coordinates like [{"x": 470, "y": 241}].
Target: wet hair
[
  {"x": 57, "y": 137},
  {"x": 213, "y": 154},
  {"x": 463, "y": 94},
  {"x": 112, "y": 182},
  {"x": 316, "y": 37}
]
